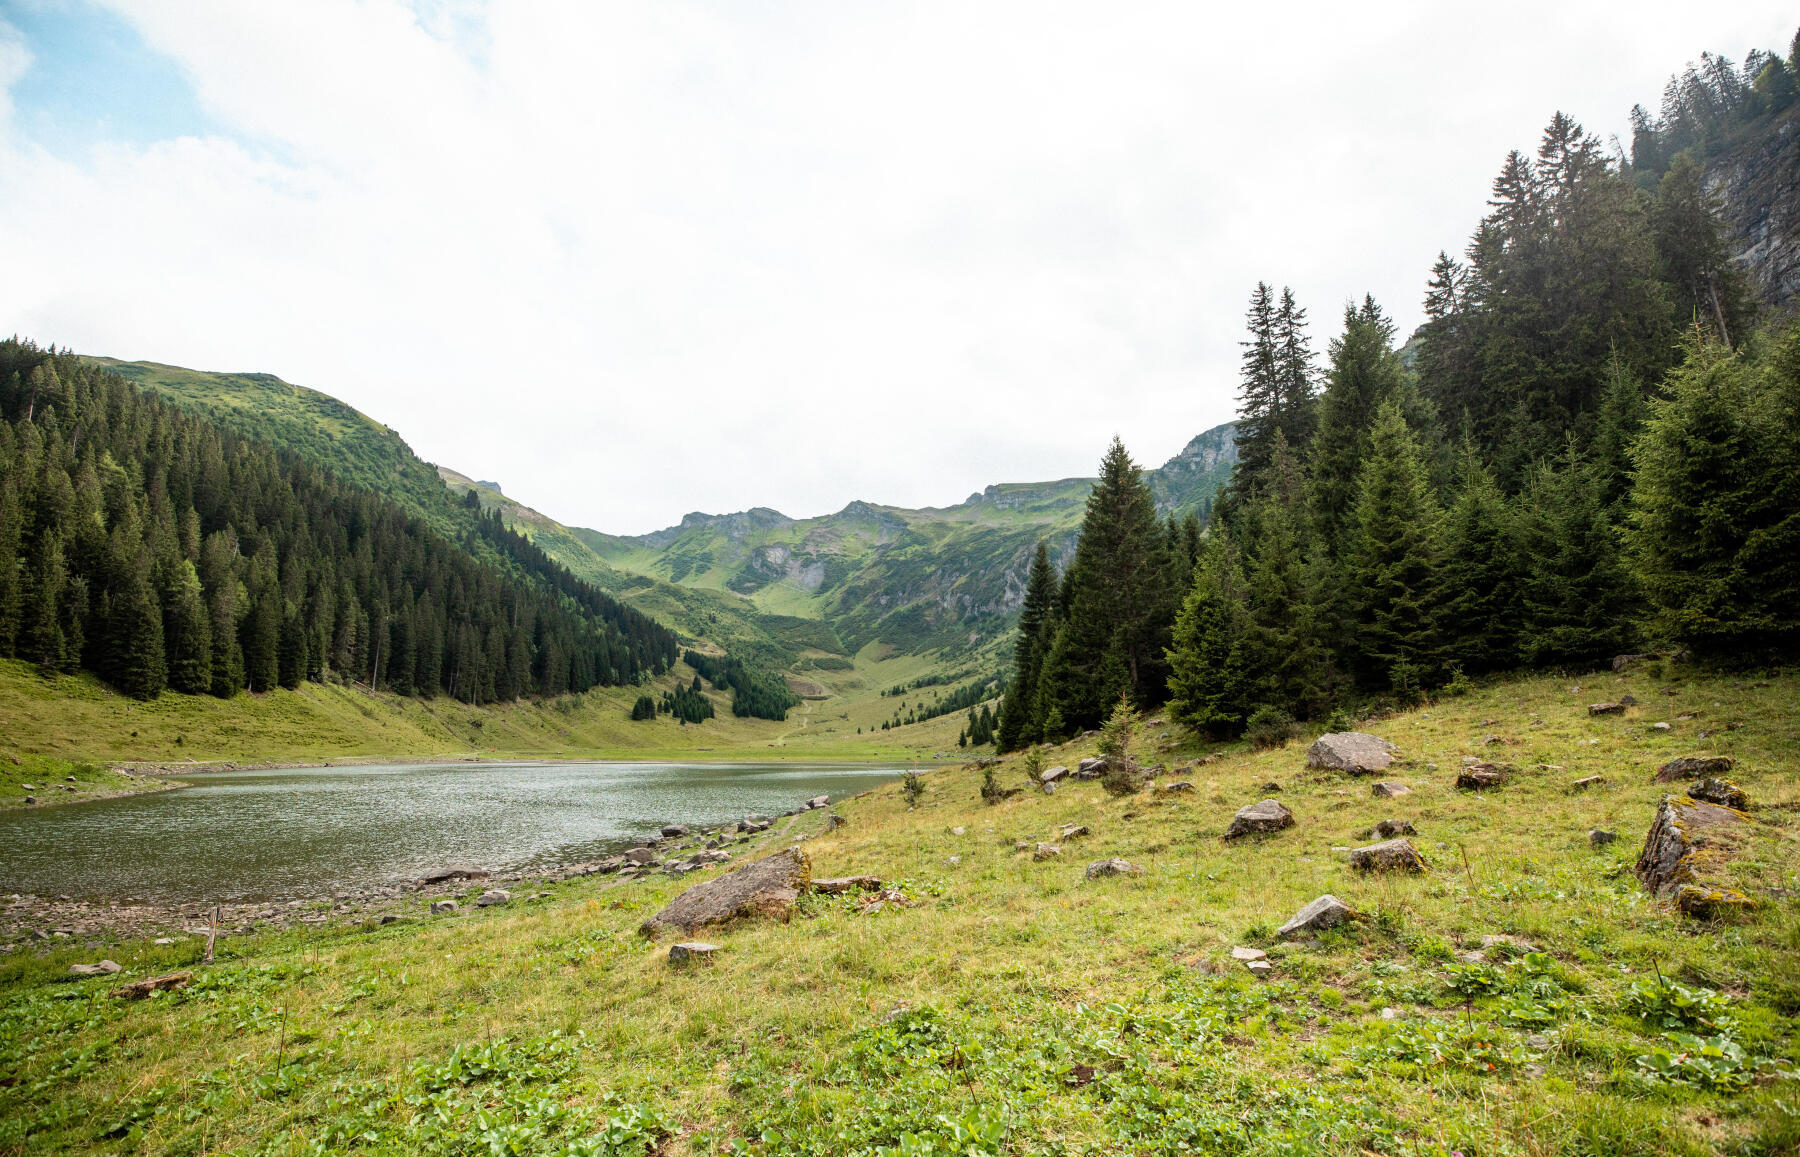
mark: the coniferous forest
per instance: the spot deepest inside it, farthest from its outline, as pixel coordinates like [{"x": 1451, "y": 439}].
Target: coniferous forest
[
  {"x": 1590, "y": 448},
  {"x": 159, "y": 551}
]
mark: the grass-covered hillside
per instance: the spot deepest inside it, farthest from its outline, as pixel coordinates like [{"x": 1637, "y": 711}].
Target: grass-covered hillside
[{"x": 1522, "y": 995}]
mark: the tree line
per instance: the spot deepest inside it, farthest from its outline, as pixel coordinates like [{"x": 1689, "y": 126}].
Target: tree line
[
  {"x": 159, "y": 551},
  {"x": 754, "y": 694},
  {"x": 1590, "y": 446}
]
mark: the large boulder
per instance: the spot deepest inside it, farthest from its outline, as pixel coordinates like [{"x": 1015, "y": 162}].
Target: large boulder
[
  {"x": 1684, "y": 853},
  {"x": 1396, "y": 855},
  {"x": 1326, "y": 912},
  {"x": 1259, "y": 818},
  {"x": 1351, "y": 751},
  {"x": 767, "y": 887},
  {"x": 1052, "y": 774},
  {"x": 1693, "y": 767},
  {"x": 1090, "y": 768}
]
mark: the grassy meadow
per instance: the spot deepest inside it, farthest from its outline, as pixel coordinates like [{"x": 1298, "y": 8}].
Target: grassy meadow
[{"x": 1009, "y": 1005}]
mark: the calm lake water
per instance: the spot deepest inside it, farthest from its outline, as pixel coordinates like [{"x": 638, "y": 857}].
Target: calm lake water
[{"x": 308, "y": 832}]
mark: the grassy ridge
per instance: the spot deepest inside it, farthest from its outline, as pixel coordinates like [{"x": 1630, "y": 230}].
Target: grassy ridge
[{"x": 1014, "y": 1007}]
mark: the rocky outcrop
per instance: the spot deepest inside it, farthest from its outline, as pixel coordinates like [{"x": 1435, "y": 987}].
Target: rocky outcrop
[
  {"x": 1259, "y": 819},
  {"x": 1758, "y": 187},
  {"x": 1351, "y": 751},
  {"x": 766, "y": 888},
  {"x": 1684, "y": 853}
]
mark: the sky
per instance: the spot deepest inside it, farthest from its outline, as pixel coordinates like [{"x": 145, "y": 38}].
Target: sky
[{"x": 635, "y": 260}]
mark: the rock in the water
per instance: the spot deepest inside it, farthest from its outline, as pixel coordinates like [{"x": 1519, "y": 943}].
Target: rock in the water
[
  {"x": 1388, "y": 829},
  {"x": 1606, "y": 708},
  {"x": 840, "y": 884},
  {"x": 1052, "y": 774},
  {"x": 1722, "y": 792},
  {"x": 1693, "y": 767},
  {"x": 444, "y": 875},
  {"x": 1689, "y": 841},
  {"x": 765, "y": 888},
  {"x": 493, "y": 897},
  {"x": 691, "y": 950},
  {"x": 1477, "y": 776},
  {"x": 1259, "y": 818},
  {"x": 443, "y": 907},
  {"x": 139, "y": 989},
  {"x": 1100, "y": 869},
  {"x": 1351, "y": 751},
  {"x": 1326, "y": 912},
  {"x": 1046, "y": 851},
  {"x": 104, "y": 968},
  {"x": 1600, "y": 837},
  {"x": 1388, "y": 789},
  {"x": 1388, "y": 856},
  {"x": 1242, "y": 953}
]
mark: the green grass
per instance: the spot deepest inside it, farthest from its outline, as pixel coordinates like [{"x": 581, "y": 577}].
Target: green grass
[{"x": 1015, "y": 1007}]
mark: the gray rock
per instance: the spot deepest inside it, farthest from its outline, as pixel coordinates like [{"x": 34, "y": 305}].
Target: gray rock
[
  {"x": 1722, "y": 792},
  {"x": 1270, "y": 788},
  {"x": 640, "y": 856},
  {"x": 1388, "y": 829},
  {"x": 833, "y": 822},
  {"x": 492, "y": 897},
  {"x": 442, "y": 907},
  {"x": 1388, "y": 789},
  {"x": 1071, "y": 831},
  {"x": 1693, "y": 767},
  {"x": 691, "y": 950},
  {"x": 1588, "y": 781},
  {"x": 1606, "y": 708},
  {"x": 1326, "y": 912},
  {"x": 1090, "y": 768},
  {"x": 1600, "y": 837},
  {"x": 104, "y": 968},
  {"x": 1351, "y": 751},
  {"x": 1046, "y": 851},
  {"x": 1479, "y": 776},
  {"x": 674, "y": 831},
  {"x": 1688, "y": 841},
  {"x": 1052, "y": 774},
  {"x": 1050, "y": 789},
  {"x": 765, "y": 888},
  {"x": 1259, "y": 819},
  {"x": 818, "y": 801},
  {"x": 1388, "y": 856},
  {"x": 1259, "y": 967},
  {"x": 840, "y": 884},
  {"x": 1100, "y": 869},
  {"x": 1178, "y": 785},
  {"x": 445, "y": 875},
  {"x": 1241, "y": 953}
]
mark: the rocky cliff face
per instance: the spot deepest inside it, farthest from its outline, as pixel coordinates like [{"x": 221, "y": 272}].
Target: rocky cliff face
[{"x": 1758, "y": 184}]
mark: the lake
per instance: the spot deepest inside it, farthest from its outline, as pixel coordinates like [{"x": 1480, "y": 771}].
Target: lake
[{"x": 310, "y": 832}]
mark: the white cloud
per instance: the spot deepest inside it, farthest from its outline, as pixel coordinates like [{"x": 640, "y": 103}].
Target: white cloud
[{"x": 633, "y": 260}]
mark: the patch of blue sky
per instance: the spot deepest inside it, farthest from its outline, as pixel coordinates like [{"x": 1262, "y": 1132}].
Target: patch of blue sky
[{"x": 93, "y": 80}]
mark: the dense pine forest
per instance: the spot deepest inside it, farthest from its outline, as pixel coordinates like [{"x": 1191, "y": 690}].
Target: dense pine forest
[
  {"x": 1590, "y": 448},
  {"x": 158, "y": 550}
]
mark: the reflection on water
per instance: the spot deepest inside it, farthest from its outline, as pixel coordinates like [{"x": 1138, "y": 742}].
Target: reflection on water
[{"x": 311, "y": 831}]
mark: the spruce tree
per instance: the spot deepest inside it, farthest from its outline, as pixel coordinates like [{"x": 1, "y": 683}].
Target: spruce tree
[
  {"x": 1019, "y": 723},
  {"x": 1573, "y": 593},
  {"x": 1365, "y": 372},
  {"x": 1283, "y": 649},
  {"x": 1392, "y": 564},
  {"x": 136, "y": 640},
  {"x": 187, "y": 633},
  {"x": 1481, "y": 573},
  {"x": 1207, "y": 676}
]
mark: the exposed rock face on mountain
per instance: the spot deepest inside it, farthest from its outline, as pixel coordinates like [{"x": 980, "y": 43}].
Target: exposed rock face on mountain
[{"x": 1758, "y": 187}]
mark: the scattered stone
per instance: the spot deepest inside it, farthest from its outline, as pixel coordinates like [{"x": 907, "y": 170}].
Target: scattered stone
[
  {"x": 767, "y": 887},
  {"x": 1351, "y": 751},
  {"x": 1090, "y": 768},
  {"x": 1259, "y": 819},
  {"x": 818, "y": 801},
  {"x": 673, "y": 831},
  {"x": 1072, "y": 831},
  {"x": 1050, "y": 789},
  {"x": 1390, "y": 1013},
  {"x": 1630, "y": 700},
  {"x": 104, "y": 968},
  {"x": 1589, "y": 781},
  {"x": 1388, "y": 829},
  {"x": 1178, "y": 785},
  {"x": 493, "y": 897},
  {"x": 691, "y": 950},
  {"x": 838, "y": 885},
  {"x": 1100, "y": 869},
  {"x": 445, "y": 875},
  {"x": 1606, "y": 708},
  {"x": 1388, "y": 856},
  {"x": 1052, "y": 774},
  {"x": 1693, "y": 767},
  {"x": 1388, "y": 789},
  {"x": 139, "y": 989},
  {"x": 1259, "y": 967},
  {"x": 1478, "y": 776},
  {"x": 1600, "y": 837},
  {"x": 1659, "y": 727},
  {"x": 1494, "y": 940},
  {"x": 442, "y": 907},
  {"x": 1687, "y": 844},
  {"x": 1271, "y": 786},
  {"x": 1046, "y": 851},
  {"x": 1242, "y": 953},
  {"x": 1326, "y": 912},
  {"x": 1722, "y": 792},
  {"x": 640, "y": 856},
  {"x": 833, "y": 822}
]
